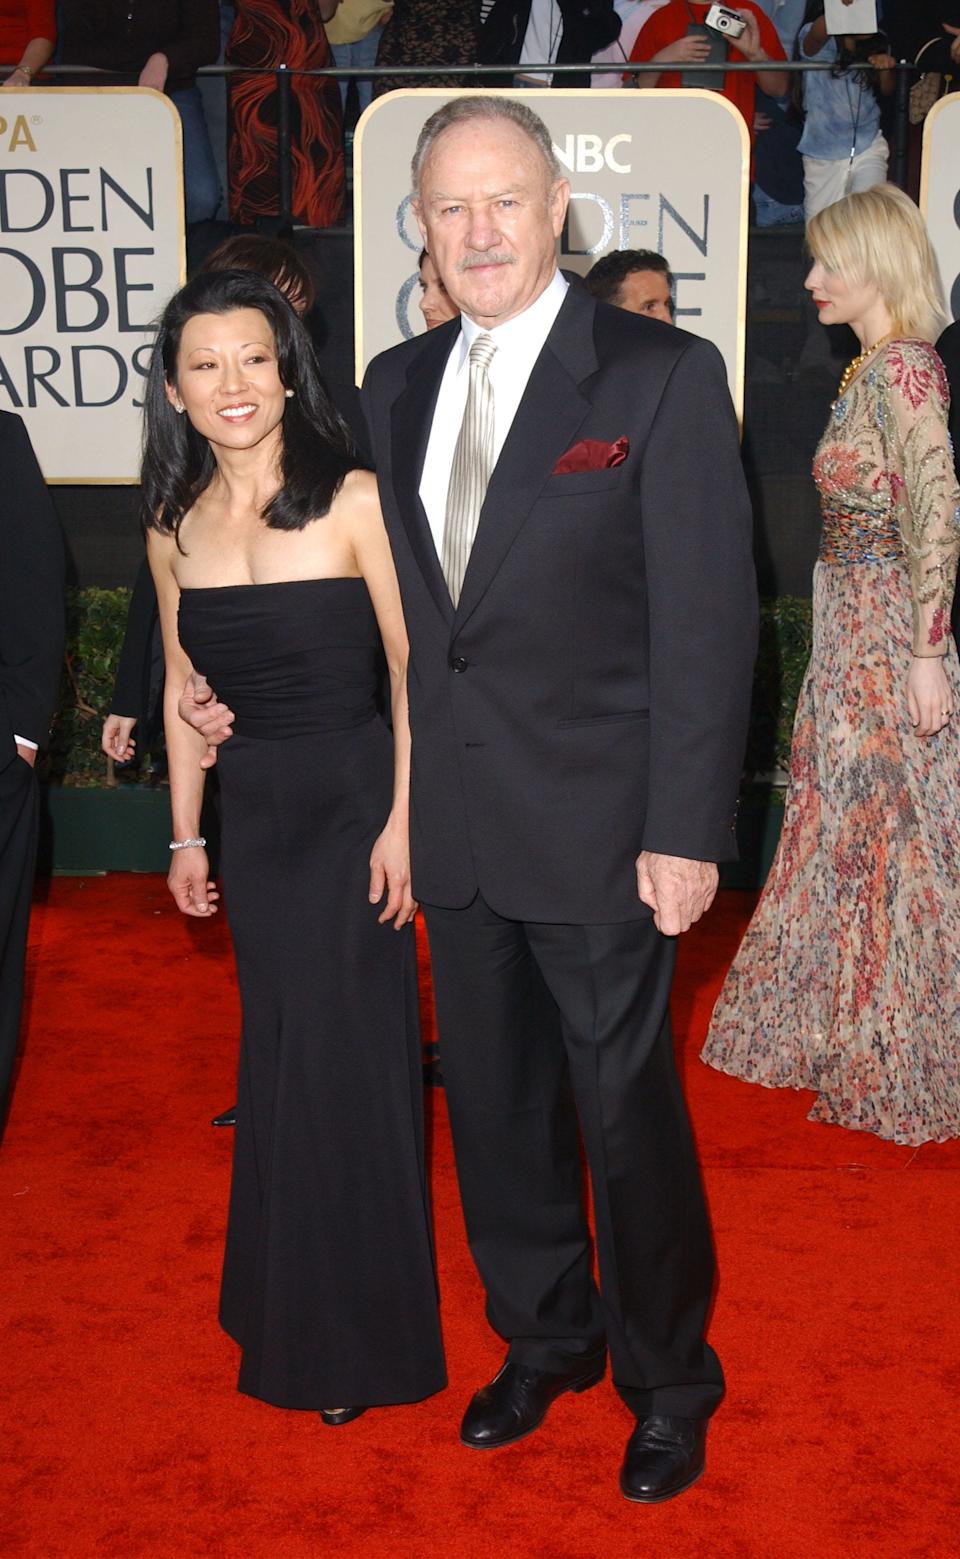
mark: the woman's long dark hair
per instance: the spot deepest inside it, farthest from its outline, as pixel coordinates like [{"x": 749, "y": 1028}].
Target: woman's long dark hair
[{"x": 317, "y": 448}]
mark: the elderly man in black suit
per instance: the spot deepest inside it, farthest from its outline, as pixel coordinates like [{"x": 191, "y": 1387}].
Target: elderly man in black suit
[
  {"x": 31, "y": 652},
  {"x": 562, "y": 488}
]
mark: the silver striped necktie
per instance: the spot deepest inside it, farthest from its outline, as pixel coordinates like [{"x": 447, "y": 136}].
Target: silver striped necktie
[{"x": 470, "y": 472}]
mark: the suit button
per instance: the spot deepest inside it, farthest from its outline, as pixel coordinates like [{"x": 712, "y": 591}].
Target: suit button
[{"x": 458, "y": 663}]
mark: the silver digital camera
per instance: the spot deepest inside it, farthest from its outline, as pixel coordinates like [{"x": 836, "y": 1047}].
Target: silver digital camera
[{"x": 721, "y": 19}]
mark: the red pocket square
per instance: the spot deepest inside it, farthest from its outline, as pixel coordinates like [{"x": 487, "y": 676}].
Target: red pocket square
[{"x": 592, "y": 454}]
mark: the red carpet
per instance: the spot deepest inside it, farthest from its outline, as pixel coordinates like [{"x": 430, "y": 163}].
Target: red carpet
[{"x": 836, "y": 1317}]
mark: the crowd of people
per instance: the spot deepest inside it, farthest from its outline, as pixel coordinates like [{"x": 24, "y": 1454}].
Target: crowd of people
[
  {"x": 562, "y": 591},
  {"x": 816, "y": 135}
]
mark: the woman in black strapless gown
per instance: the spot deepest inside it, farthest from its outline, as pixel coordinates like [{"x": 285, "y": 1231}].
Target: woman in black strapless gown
[{"x": 275, "y": 580}]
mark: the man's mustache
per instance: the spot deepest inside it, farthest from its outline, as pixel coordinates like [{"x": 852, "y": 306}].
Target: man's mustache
[{"x": 470, "y": 262}]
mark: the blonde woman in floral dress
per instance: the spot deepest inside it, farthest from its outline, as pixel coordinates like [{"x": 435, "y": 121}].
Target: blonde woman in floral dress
[{"x": 848, "y": 979}]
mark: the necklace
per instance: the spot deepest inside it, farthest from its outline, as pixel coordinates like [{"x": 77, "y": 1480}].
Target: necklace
[{"x": 858, "y": 363}]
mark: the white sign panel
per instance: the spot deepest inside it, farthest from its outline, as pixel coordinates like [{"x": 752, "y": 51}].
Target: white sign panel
[
  {"x": 663, "y": 170},
  {"x": 940, "y": 192},
  {"x": 91, "y": 247}
]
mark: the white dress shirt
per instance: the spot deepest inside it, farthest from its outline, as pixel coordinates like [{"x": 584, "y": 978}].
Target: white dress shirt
[{"x": 519, "y": 343}]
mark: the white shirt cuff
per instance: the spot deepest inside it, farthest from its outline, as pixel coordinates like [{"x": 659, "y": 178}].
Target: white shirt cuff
[{"x": 23, "y": 741}]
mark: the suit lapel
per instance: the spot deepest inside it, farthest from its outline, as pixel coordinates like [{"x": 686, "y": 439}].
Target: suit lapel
[
  {"x": 549, "y": 414},
  {"x": 411, "y": 419}
]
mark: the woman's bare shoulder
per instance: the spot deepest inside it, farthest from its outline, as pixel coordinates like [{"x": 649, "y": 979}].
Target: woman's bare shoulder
[{"x": 359, "y": 497}]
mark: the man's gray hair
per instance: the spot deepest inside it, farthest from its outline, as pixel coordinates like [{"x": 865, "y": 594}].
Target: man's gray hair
[{"x": 461, "y": 110}]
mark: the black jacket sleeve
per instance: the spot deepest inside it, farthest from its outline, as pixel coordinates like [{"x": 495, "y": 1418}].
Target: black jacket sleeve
[
  {"x": 32, "y": 625},
  {"x": 133, "y": 670}
]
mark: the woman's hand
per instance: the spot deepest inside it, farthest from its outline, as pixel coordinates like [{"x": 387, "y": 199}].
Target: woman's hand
[
  {"x": 929, "y": 695},
  {"x": 116, "y": 738},
  {"x": 189, "y": 881},
  {"x": 390, "y": 874},
  {"x": 954, "y": 42}
]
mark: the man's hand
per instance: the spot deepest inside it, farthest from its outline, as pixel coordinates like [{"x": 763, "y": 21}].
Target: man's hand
[
  {"x": 28, "y": 754},
  {"x": 154, "y": 72},
  {"x": 677, "y": 890},
  {"x": 199, "y": 707},
  {"x": 116, "y": 738}
]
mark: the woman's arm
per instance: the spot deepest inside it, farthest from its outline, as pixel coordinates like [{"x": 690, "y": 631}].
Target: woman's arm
[
  {"x": 390, "y": 857},
  {"x": 188, "y": 878},
  {"x": 776, "y": 83},
  {"x": 36, "y": 54},
  {"x": 885, "y": 66},
  {"x": 924, "y": 485},
  {"x": 815, "y": 38}
]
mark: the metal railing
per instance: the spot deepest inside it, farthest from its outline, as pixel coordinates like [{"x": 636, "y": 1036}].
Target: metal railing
[{"x": 470, "y": 75}]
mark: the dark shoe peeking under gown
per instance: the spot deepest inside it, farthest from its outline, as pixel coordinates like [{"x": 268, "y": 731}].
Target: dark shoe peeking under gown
[{"x": 328, "y": 1277}]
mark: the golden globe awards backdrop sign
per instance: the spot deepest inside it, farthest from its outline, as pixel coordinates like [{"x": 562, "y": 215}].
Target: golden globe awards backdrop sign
[
  {"x": 664, "y": 170},
  {"x": 940, "y": 192},
  {"x": 91, "y": 247}
]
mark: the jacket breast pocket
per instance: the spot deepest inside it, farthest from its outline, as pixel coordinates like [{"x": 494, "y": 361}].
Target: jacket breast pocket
[
  {"x": 573, "y": 483},
  {"x": 621, "y": 717}
]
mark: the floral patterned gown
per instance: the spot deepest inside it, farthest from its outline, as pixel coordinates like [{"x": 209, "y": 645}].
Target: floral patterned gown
[{"x": 848, "y": 978}]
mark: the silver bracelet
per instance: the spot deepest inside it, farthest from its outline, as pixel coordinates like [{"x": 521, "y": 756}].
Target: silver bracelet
[{"x": 187, "y": 844}]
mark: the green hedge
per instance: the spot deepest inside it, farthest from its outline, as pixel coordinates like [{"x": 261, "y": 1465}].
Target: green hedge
[
  {"x": 95, "y": 624},
  {"x": 786, "y": 637}
]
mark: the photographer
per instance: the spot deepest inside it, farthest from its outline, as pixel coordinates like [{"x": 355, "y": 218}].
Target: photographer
[
  {"x": 677, "y": 35},
  {"x": 842, "y": 145}
]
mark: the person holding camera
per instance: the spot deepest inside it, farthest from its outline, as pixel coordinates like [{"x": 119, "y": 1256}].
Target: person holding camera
[
  {"x": 686, "y": 33},
  {"x": 842, "y": 145}
]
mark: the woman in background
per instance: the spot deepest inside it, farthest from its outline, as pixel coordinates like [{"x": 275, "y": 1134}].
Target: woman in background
[
  {"x": 268, "y": 33},
  {"x": 435, "y": 302},
  {"x": 848, "y": 979},
  {"x": 28, "y": 32}
]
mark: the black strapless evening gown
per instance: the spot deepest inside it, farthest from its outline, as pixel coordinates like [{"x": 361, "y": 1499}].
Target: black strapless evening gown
[{"x": 328, "y": 1280}]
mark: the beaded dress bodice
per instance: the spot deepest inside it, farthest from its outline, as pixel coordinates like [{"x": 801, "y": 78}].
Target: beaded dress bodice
[{"x": 888, "y": 490}]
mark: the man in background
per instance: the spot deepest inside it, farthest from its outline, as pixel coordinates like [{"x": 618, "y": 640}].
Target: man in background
[
  {"x": 31, "y": 653},
  {"x": 638, "y": 280}
]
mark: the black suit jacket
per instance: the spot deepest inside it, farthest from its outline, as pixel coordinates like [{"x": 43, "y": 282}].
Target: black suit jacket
[
  {"x": 589, "y": 696},
  {"x": 31, "y": 593}
]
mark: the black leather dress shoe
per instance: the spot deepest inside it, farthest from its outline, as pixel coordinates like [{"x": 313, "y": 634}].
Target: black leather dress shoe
[
  {"x": 665, "y": 1455},
  {"x": 340, "y": 1415},
  {"x": 516, "y": 1401},
  {"x": 228, "y": 1118}
]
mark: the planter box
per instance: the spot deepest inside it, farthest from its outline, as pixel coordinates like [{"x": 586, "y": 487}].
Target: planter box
[
  {"x": 100, "y": 830},
  {"x": 128, "y": 830}
]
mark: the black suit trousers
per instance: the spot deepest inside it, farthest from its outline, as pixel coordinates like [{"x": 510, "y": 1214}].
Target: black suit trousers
[
  {"x": 541, "y": 1027},
  {"x": 18, "y": 853}
]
